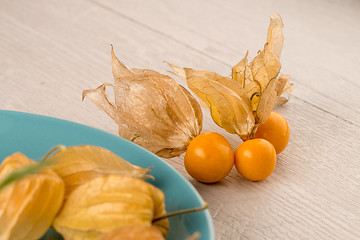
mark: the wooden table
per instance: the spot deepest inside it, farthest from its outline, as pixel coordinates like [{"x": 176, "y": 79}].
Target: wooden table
[{"x": 52, "y": 50}]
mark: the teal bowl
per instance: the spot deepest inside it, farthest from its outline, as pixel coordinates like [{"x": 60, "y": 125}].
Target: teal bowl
[{"x": 34, "y": 135}]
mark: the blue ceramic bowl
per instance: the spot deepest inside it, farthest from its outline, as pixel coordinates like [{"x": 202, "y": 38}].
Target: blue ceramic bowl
[{"x": 34, "y": 135}]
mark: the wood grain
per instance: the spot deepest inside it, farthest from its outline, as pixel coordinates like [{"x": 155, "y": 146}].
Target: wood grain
[
  {"x": 50, "y": 51},
  {"x": 198, "y": 28}
]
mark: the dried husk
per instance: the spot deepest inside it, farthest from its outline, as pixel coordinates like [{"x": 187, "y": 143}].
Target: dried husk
[
  {"x": 284, "y": 88},
  {"x": 229, "y": 106},
  {"x": 257, "y": 75},
  {"x": 107, "y": 203},
  {"x": 28, "y": 205},
  {"x": 151, "y": 109},
  {"x": 79, "y": 164},
  {"x": 241, "y": 103},
  {"x": 136, "y": 232}
]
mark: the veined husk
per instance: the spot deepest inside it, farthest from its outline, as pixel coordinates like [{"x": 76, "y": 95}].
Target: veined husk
[
  {"x": 241, "y": 103},
  {"x": 80, "y": 164},
  {"x": 107, "y": 203},
  {"x": 136, "y": 232},
  {"x": 151, "y": 109},
  {"x": 29, "y": 205}
]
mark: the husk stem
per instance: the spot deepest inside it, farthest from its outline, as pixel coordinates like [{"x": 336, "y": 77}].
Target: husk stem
[
  {"x": 180, "y": 212},
  {"x": 51, "y": 152},
  {"x": 28, "y": 170}
]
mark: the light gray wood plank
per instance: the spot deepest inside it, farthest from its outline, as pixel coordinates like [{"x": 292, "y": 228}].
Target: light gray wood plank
[
  {"x": 50, "y": 51},
  {"x": 224, "y": 31}
]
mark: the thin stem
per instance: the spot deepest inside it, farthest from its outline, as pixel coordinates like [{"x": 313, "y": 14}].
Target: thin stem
[
  {"x": 20, "y": 173},
  {"x": 180, "y": 212},
  {"x": 53, "y": 150},
  {"x": 28, "y": 170}
]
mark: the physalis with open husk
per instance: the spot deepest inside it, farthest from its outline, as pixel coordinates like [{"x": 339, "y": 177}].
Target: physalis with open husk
[
  {"x": 151, "y": 109},
  {"x": 28, "y": 206},
  {"x": 241, "y": 103}
]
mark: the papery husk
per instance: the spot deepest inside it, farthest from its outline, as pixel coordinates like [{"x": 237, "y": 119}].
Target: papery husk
[
  {"x": 241, "y": 103},
  {"x": 229, "y": 106},
  {"x": 271, "y": 96},
  {"x": 256, "y": 76},
  {"x": 28, "y": 205},
  {"x": 284, "y": 89},
  {"x": 107, "y": 203},
  {"x": 151, "y": 109},
  {"x": 136, "y": 232},
  {"x": 80, "y": 164}
]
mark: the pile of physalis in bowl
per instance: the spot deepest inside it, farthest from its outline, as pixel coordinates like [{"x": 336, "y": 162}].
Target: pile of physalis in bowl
[{"x": 84, "y": 193}]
